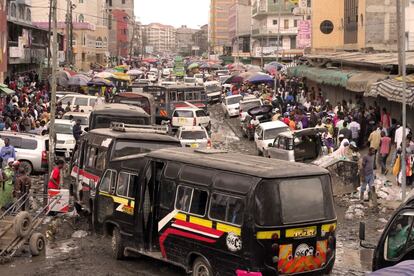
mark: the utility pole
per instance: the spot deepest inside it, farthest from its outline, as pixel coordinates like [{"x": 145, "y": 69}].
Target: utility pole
[
  {"x": 72, "y": 7},
  {"x": 403, "y": 73},
  {"x": 68, "y": 8},
  {"x": 278, "y": 43},
  {"x": 131, "y": 43},
  {"x": 48, "y": 35},
  {"x": 53, "y": 97}
]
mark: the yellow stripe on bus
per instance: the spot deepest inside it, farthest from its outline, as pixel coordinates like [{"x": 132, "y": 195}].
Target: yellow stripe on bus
[
  {"x": 267, "y": 235},
  {"x": 119, "y": 200},
  {"x": 228, "y": 228},
  {"x": 326, "y": 227},
  {"x": 181, "y": 216},
  {"x": 202, "y": 222}
]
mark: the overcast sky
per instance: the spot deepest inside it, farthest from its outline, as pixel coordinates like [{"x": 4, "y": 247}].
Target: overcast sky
[{"x": 192, "y": 13}]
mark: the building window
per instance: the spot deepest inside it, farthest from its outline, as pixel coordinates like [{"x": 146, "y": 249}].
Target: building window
[
  {"x": 81, "y": 18},
  {"x": 98, "y": 42},
  {"x": 123, "y": 2},
  {"x": 274, "y": 22},
  {"x": 83, "y": 57},
  {"x": 28, "y": 15},
  {"x": 295, "y": 23},
  {"x": 326, "y": 27},
  {"x": 21, "y": 12},
  {"x": 13, "y": 10},
  {"x": 80, "y": 1},
  {"x": 286, "y": 25}
]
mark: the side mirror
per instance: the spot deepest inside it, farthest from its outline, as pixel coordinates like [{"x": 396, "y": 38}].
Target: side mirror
[
  {"x": 270, "y": 145},
  {"x": 362, "y": 231}
]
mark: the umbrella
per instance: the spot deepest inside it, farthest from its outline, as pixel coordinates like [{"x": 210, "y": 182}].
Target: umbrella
[
  {"x": 78, "y": 80},
  {"x": 235, "y": 79},
  {"x": 100, "y": 82},
  {"x": 135, "y": 72},
  {"x": 260, "y": 78},
  {"x": 6, "y": 90},
  {"x": 150, "y": 60},
  {"x": 71, "y": 72},
  {"x": 121, "y": 76},
  {"x": 193, "y": 65},
  {"x": 253, "y": 68},
  {"x": 62, "y": 78},
  {"x": 246, "y": 75},
  {"x": 104, "y": 75},
  {"x": 236, "y": 66},
  {"x": 260, "y": 110}
]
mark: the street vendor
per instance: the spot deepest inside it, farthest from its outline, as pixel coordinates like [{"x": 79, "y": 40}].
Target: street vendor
[{"x": 6, "y": 191}]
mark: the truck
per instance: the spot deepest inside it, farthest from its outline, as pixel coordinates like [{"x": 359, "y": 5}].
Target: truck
[{"x": 179, "y": 70}]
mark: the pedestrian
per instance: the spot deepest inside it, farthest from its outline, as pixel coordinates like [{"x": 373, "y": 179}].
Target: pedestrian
[
  {"x": 374, "y": 140},
  {"x": 54, "y": 181},
  {"x": 355, "y": 128},
  {"x": 385, "y": 148},
  {"x": 77, "y": 130},
  {"x": 7, "y": 152},
  {"x": 7, "y": 187},
  {"x": 346, "y": 131},
  {"x": 22, "y": 187},
  {"x": 367, "y": 171}
]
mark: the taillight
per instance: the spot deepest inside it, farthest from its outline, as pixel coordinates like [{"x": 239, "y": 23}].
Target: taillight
[
  {"x": 44, "y": 156},
  {"x": 209, "y": 143},
  {"x": 194, "y": 121}
]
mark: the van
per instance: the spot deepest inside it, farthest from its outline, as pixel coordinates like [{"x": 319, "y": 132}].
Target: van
[
  {"x": 265, "y": 134},
  {"x": 217, "y": 213},
  {"x": 31, "y": 150},
  {"x": 190, "y": 117},
  {"x": 85, "y": 102},
  {"x": 99, "y": 146}
]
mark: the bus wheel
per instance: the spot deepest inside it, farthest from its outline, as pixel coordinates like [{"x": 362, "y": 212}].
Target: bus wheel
[
  {"x": 118, "y": 247},
  {"x": 201, "y": 268}
]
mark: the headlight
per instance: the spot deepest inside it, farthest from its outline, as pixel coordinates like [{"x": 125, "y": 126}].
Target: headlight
[{"x": 70, "y": 142}]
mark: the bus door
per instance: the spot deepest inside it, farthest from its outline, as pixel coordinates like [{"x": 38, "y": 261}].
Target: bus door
[{"x": 150, "y": 205}]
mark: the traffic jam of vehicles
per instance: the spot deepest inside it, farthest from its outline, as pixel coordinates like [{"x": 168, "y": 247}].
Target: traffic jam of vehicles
[{"x": 144, "y": 167}]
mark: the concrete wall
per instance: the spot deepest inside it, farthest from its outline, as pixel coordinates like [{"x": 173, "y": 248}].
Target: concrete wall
[{"x": 3, "y": 40}]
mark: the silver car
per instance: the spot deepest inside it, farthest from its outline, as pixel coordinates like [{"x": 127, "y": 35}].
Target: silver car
[{"x": 31, "y": 150}]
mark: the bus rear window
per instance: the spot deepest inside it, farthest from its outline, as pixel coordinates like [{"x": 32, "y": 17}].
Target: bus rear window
[
  {"x": 102, "y": 121},
  {"x": 294, "y": 200},
  {"x": 124, "y": 147}
]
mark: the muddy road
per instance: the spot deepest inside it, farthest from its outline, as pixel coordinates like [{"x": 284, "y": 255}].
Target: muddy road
[{"x": 91, "y": 254}]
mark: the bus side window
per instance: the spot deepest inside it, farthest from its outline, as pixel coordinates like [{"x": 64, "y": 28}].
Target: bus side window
[
  {"x": 101, "y": 159},
  {"x": 173, "y": 96},
  {"x": 91, "y": 157},
  {"x": 180, "y": 96},
  {"x": 182, "y": 201},
  {"x": 189, "y": 96},
  {"x": 226, "y": 208},
  {"x": 193, "y": 201},
  {"x": 108, "y": 181}
]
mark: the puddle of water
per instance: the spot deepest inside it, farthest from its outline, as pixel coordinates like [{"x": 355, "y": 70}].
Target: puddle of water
[
  {"x": 55, "y": 249},
  {"x": 353, "y": 261}
]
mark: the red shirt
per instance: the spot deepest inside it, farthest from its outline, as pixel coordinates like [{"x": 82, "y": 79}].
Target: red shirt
[
  {"x": 385, "y": 145},
  {"x": 56, "y": 176}
]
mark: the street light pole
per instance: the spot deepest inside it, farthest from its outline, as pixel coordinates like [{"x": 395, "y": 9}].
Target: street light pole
[{"x": 53, "y": 97}]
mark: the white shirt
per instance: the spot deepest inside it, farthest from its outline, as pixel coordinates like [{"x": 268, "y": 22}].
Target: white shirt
[
  {"x": 355, "y": 127},
  {"x": 399, "y": 136}
]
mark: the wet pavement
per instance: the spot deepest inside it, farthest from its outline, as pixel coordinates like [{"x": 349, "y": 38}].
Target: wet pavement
[{"x": 91, "y": 255}]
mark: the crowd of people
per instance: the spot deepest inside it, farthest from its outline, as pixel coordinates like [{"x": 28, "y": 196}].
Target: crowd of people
[{"x": 351, "y": 125}]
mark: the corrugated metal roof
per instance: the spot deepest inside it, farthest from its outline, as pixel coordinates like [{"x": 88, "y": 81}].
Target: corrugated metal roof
[
  {"x": 367, "y": 58},
  {"x": 391, "y": 89}
]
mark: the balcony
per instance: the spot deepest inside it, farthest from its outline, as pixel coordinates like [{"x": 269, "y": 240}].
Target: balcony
[
  {"x": 258, "y": 32},
  {"x": 18, "y": 55},
  {"x": 24, "y": 2},
  {"x": 271, "y": 9}
]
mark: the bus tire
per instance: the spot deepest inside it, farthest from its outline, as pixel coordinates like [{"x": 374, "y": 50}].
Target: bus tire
[
  {"x": 201, "y": 268},
  {"x": 118, "y": 247},
  {"x": 37, "y": 244}
]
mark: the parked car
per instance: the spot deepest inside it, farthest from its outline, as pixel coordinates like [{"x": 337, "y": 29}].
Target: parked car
[
  {"x": 65, "y": 142},
  {"x": 85, "y": 102},
  {"x": 190, "y": 81},
  {"x": 220, "y": 73},
  {"x": 74, "y": 116},
  {"x": 231, "y": 105},
  {"x": 184, "y": 116},
  {"x": 152, "y": 76},
  {"x": 213, "y": 90},
  {"x": 166, "y": 72},
  {"x": 303, "y": 145},
  {"x": 266, "y": 133},
  {"x": 246, "y": 104},
  {"x": 194, "y": 137},
  {"x": 199, "y": 78},
  {"x": 31, "y": 150}
]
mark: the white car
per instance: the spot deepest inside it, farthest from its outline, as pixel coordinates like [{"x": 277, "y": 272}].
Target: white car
[
  {"x": 65, "y": 142},
  {"x": 184, "y": 116},
  {"x": 85, "y": 102},
  {"x": 193, "y": 137},
  {"x": 74, "y": 116},
  {"x": 213, "y": 90},
  {"x": 199, "y": 79},
  {"x": 246, "y": 104},
  {"x": 266, "y": 133},
  {"x": 189, "y": 81},
  {"x": 166, "y": 72},
  {"x": 231, "y": 105}
]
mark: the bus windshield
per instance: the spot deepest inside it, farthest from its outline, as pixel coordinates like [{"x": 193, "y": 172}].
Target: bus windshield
[
  {"x": 104, "y": 121},
  {"x": 294, "y": 200}
]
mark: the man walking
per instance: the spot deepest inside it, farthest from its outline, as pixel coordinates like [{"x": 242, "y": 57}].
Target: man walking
[
  {"x": 374, "y": 140},
  {"x": 367, "y": 172},
  {"x": 7, "y": 152},
  {"x": 77, "y": 130},
  {"x": 54, "y": 180},
  {"x": 385, "y": 148}
]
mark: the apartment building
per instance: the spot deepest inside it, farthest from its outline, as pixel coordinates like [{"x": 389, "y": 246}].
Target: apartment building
[
  {"x": 218, "y": 32},
  {"x": 184, "y": 40},
  {"x": 409, "y": 25},
  {"x": 3, "y": 40},
  {"x": 159, "y": 38},
  {"x": 274, "y": 28},
  {"x": 240, "y": 23}
]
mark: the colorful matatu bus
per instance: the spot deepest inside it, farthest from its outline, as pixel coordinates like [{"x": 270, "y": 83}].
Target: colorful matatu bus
[{"x": 217, "y": 213}]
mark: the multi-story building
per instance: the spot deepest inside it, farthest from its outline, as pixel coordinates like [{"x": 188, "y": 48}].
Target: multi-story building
[
  {"x": 274, "y": 28},
  {"x": 159, "y": 38},
  {"x": 121, "y": 27},
  {"x": 184, "y": 40},
  {"x": 3, "y": 40},
  {"x": 27, "y": 44},
  {"x": 90, "y": 31},
  {"x": 201, "y": 39},
  {"x": 354, "y": 25},
  {"x": 240, "y": 24},
  {"x": 409, "y": 25},
  {"x": 218, "y": 32}
]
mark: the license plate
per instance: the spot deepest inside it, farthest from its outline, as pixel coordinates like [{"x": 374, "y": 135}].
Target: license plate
[
  {"x": 194, "y": 146},
  {"x": 182, "y": 120},
  {"x": 301, "y": 232}
]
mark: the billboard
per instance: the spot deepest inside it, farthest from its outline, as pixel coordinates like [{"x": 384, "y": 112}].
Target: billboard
[{"x": 304, "y": 34}]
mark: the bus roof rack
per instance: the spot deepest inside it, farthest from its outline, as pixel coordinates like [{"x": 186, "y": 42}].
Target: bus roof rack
[{"x": 122, "y": 127}]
